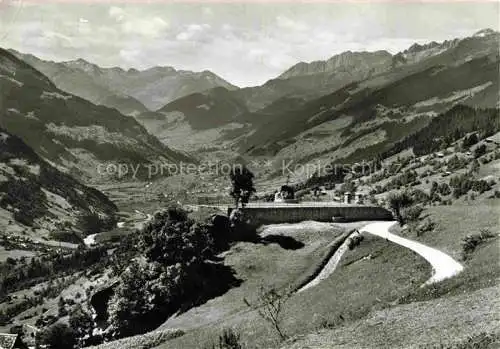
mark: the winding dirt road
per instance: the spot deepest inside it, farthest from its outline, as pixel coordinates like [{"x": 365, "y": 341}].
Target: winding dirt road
[
  {"x": 332, "y": 264},
  {"x": 443, "y": 265}
]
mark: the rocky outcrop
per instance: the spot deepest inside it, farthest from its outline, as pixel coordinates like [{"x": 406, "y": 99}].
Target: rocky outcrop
[{"x": 346, "y": 62}]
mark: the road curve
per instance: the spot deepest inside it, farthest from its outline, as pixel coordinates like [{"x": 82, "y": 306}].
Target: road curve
[
  {"x": 443, "y": 265},
  {"x": 331, "y": 265}
]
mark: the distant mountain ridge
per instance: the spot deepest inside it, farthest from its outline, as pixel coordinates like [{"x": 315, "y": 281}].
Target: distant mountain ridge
[
  {"x": 270, "y": 117},
  {"x": 130, "y": 91},
  {"x": 37, "y": 194},
  {"x": 346, "y": 62},
  {"x": 70, "y": 132},
  {"x": 376, "y": 61},
  {"x": 372, "y": 93},
  {"x": 370, "y": 115}
]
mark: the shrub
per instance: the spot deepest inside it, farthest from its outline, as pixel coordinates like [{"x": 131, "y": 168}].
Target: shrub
[
  {"x": 81, "y": 323},
  {"x": 412, "y": 213},
  {"x": 406, "y": 178},
  {"x": 480, "y": 151},
  {"x": 444, "y": 189},
  {"x": 481, "y": 186},
  {"x": 242, "y": 184},
  {"x": 474, "y": 166},
  {"x": 471, "y": 242},
  {"x": 420, "y": 197},
  {"x": 59, "y": 336},
  {"x": 469, "y": 140},
  {"x": 424, "y": 227},
  {"x": 228, "y": 339},
  {"x": 348, "y": 187},
  {"x": 355, "y": 240},
  {"x": 495, "y": 195},
  {"x": 398, "y": 201},
  {"x": 62, "y": 307}
]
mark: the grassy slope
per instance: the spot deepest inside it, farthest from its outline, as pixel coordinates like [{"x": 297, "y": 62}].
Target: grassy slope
[
  {"x": 482, "y": 267},
  {"x": 266, "y": 265},
  {"x": 465, "y": 305},
  {"x": 60, "y": 197},
  {"x": 424, "y": 324},
  {"x": 343, "y": 296}
]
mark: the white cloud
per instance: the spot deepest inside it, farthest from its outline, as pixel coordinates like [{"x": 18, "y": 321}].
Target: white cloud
[
  {"x": 130, "y": 55},
  {"x": 184, "y": 36},
  {"x": 193, "y": 31},
  {"x": 150, "y": 27},
  {"x": 117, "y": 13},
  {"x": 287, "y": 23},
  {"x": 54, "y": 38},
  {"x": 246, "y": 44}
]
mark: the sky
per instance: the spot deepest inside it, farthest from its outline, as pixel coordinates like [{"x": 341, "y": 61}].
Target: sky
[{"x": 246, "y": 43}]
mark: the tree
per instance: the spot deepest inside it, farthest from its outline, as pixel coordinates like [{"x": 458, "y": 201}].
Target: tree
[
  {"x": 434, "y": 188},
  {"x": 270, "y": 308},
  {"x": 444, "y": 189},
  {"x": 347, "y": 187},
  {"x": 474, "y": 167},
  {"x": 480, "y": 151},
  {"x": 131, "y": 301},
  {"x": 398, "y": 201},
  {"x": 469, "y": 141},
  {"x": 81, "y": 322},
  {"x": 61, "y": 305},
  {"x": 242, "y": 182},
  {"x": 175, "y": 273},
  {"x": 412, "y": 214},
  {"x": 59, "y": 336}
]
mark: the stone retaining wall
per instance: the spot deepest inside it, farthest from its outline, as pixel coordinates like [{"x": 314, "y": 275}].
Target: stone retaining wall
[{"x": 270, "y": 214}]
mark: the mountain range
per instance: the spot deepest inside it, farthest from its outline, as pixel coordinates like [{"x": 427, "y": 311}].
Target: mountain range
[
  {"x": 404, "y": 98},
  {"x": 130, "y": 91},
  {"x": 332, "y": 108},
  {"x": 70, "y": 132},
  {"x": 319, "y": 110}
]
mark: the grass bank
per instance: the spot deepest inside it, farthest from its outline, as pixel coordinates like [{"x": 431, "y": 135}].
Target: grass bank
[{"x": 370, "y": 277}]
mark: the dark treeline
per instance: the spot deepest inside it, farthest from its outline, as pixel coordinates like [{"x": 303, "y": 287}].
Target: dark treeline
[
  {"x": 180, "y": 270},
  {"x": 441, "y": 132},
  {"x": 449, "y": 127},
  {"x": 22, "y": 274}
]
